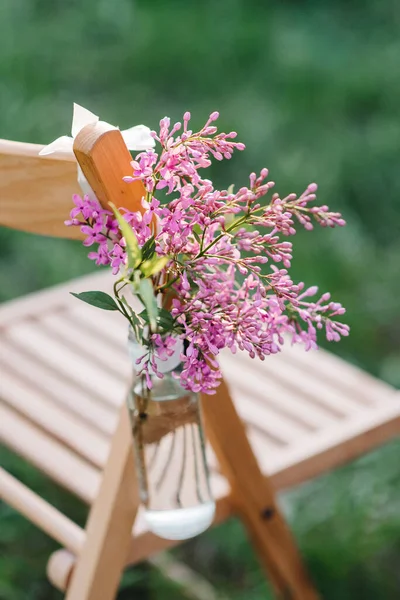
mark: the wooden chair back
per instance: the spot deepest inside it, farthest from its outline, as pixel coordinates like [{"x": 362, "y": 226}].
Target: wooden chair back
[{"x": 36, "y": 192}]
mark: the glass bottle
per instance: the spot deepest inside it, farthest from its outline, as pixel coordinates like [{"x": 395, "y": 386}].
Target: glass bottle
[{"x": 169, "y": 446}]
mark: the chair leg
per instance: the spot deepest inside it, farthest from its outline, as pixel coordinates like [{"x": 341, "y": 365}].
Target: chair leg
[
  {"x": 109, "y": 528},
  {"x": 255, "y": 501}
]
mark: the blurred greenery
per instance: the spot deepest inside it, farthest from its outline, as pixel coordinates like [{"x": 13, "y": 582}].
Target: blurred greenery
[{"x": 313, "y": 88}]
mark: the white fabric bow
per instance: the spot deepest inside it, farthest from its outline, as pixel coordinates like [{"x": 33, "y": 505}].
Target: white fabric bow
[{"x": 136, "y": 138}]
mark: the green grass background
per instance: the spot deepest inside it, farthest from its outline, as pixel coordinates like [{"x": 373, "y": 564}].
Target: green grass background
[{"x": 313, "y": 88}]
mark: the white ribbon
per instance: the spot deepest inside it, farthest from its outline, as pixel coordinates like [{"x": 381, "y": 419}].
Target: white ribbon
[{"x": 136, "y": 138}]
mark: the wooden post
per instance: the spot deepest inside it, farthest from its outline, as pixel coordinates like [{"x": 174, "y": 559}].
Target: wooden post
[
  {"x": 105, "y": 160},
  {"x": 254, "y": 499}
]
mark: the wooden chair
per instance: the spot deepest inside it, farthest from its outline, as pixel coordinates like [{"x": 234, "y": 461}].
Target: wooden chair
[{"x": 64, "y": 370}]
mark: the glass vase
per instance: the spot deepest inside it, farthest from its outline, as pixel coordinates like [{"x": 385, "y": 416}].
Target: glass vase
[{"x": 169, "y": 447}]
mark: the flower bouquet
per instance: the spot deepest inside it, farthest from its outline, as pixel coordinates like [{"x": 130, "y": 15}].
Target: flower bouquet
[{"x": 198, "y": 270}]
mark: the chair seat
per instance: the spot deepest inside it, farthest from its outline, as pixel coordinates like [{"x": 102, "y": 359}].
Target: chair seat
[{"x": 64, "y": 372}]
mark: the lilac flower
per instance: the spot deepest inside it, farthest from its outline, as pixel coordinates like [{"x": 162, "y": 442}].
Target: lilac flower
[
  {"x": 118, "y": 258},
  {"x": 229, "y": 259}
]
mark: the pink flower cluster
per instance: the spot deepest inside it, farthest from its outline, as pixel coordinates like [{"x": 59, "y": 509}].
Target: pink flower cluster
[{"x": 229, "y": 254}]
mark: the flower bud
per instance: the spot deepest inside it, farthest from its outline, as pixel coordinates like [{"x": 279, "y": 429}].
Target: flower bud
[{"x": 311, "y": 291}]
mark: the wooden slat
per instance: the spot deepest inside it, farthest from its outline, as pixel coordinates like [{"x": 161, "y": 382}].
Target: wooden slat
[
  {"x": 361, "y": 391},
  {"x": 36, "y": 193},
  {"x": 263, "y": 437},
  {"x": 300, "y": 382},
  {"x": 111, "y": 390},
  {"x": 92, "y": 347},
  {"x": 263, "y": 390},
  {"x": 40, "y": 409},
  {"x": 46, "y": 381},
  {"x": 43, "y": 451},
  {"x": 22, "y": 149},
  {"x": 41, "y": 513},
  {"x": 265, "y": 451},
  {"x": 329, "y": 449},
  {"x": 114, "y": 332},
  {"x": 261, "y": 416},
  {"x": 114, "y": 328},
  {"x": 350, "y": 380},
  {"x": 58, "y": 296}
]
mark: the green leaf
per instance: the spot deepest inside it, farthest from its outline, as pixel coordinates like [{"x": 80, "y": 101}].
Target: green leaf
[
  {"x": 99, "y": 299},
  {"x": 165, "y": 319},
  {"x": 149, "y": 300},
  {"x": 149, "y": 248},
  {"x": 132, "y": 247},
  {"x": 136, "y": 281},
  {"x": 153, "y": 265}
]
